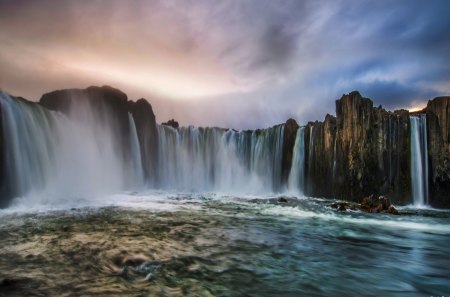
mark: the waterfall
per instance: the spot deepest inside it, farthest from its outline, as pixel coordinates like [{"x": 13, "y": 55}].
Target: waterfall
[
  {"x": 87, "y": 152},
  {"x": 214, "y": 159},
  {"x": 28, "y": 150},
  {"x": 311, "y": 144},
  {"x": 296, "y": 181},
  {"x": 419, "y": 159},
  {"x": 52, "y": 156},
  {"x": 136, "y": 157}
]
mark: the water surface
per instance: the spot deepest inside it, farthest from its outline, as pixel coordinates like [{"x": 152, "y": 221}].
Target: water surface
[{"x": 167, "y": 244}]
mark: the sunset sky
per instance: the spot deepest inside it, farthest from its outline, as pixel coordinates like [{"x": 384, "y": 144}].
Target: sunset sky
[{"x": 239, "y": 64}]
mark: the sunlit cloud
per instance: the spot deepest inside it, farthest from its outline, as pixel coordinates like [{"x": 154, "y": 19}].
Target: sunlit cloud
[{"x": 241, "y": 64}]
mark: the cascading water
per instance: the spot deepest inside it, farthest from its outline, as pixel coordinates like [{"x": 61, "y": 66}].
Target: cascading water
[
  {"x": 419, "y": 159},
  {"x": 205, "y": 159},
  {"x": 296, "y": 181},
  {"x": 80, "y": 154},
  {"x": 138, "y": 169},
  {"x": 53, "y": 156}
]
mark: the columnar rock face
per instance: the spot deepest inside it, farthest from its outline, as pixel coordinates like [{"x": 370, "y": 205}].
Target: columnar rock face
[
  {"x": 438, "y": 128},
  {"x": 290, "y": 133},
  {"x": 360, "y": 152},
  {"x": 147, "y": 132},
  {"x": 319, "y": 148}
]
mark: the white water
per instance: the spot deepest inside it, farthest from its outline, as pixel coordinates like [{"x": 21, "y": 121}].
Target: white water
[
  {"x": 213, "y": 159},
  {"x": 138, "y": 169},
  {"x": 419, "y": 160},
  {"x": 296, "y": 181},
  {"x": 54, "y": 156}
]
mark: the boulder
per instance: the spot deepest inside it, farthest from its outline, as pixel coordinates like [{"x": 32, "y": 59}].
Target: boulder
[{"x": 382, "y": 204}]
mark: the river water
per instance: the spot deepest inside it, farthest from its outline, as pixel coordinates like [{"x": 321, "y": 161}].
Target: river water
[{"x": 176, "y": 244}]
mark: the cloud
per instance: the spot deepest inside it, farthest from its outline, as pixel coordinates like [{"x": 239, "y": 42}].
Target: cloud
[{"x": 242, "y": 64}]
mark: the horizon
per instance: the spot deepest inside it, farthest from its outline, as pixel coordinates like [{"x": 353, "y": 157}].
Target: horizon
[{"x": 238, "y": 65}]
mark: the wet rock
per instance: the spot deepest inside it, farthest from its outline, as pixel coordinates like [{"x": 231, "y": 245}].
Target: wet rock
[
  {"x": 384, "y": 202},
  {"x": 392, "y": 210},
  {"x": 290, "y": 134},
  {"x": 372, "y": 204},
  {"x": 146, "y": 128},
  {"x": 438, "y": 130},
  {"x": 282, "y": 200},
  {"x": 342, "y": 207}
]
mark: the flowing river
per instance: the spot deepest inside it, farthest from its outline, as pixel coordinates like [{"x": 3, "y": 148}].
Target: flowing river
[{"x": 176, "y": 244}]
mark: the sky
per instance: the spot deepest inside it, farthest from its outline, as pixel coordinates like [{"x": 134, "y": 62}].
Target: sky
[{"x": 230, "y": 63}]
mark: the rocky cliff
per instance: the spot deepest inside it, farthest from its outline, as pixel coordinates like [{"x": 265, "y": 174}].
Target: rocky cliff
[
  {"x": 147, "y": 132},
  {"x": 363, "y": 150},
  {"x": 438, "y": 128},
  {"x": 289, "y": 135}
]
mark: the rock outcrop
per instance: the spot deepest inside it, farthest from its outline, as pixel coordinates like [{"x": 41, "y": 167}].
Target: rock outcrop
[
  {"x": 319, "y": 148},
  {"x": 438, "y": 130},
  {"x": 289, "y": 136},
  {"x": 110, "y": 107},
  {"x": 104, "y": 105},
  {"x": 361, "y": 151},
  {"x": 147, "y": 132},
  {"x": 172, "y": 123}
]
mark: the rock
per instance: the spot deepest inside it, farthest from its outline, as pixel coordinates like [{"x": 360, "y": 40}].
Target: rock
[
  {"x": 382, "y": 204},
  {"x": 342, "y": 207},
  {"x": 282, "y": 200},
  {"x": 147, "y": 132},
  {"x": 391, "y": 209},
  {"x": 106, "y": 105},
  {"x": 438, "y": 124},
  {"x": 358, "y": 152},
  {"x": 172, "y": 123},
  {"x": 290, "y": 134}
]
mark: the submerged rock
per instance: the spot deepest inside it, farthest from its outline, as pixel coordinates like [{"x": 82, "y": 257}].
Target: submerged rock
[
  {"x": 372, "y": 204},
  {"x": 282, "y": 200},
  {"x": 392, "y": 210}
]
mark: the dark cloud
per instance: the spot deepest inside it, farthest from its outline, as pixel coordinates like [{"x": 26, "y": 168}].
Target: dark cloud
[
  {"x": 276, "y": 59},
  {"x": 394, "y": 95}
]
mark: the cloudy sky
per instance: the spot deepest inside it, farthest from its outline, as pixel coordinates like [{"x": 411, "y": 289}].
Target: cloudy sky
[{"x": 240, "y": 64}]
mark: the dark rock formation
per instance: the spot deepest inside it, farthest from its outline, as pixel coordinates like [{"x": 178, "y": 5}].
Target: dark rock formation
[
  {"x": 372, "y": 204},
  {"x": 438, "y": 130},
  {"x": 147, "y": 132},
  {"x": 111, "y": 106},
  {"x": 106, "y": 105},
  {"x": 319, "y": 148},
  {"x": 290, "y": 133},
  {"x": 172, "y": 123},
  {"x": 359, "y": 152},
  {"x": 3, "y": 184}
]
